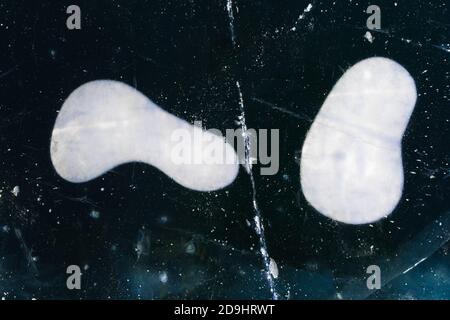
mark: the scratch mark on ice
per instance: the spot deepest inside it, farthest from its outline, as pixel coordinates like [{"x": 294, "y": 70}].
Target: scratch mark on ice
[
  {"x": 283, "y": 110},
  {"x": 302, "y": 16},
  {"x": 8, "y": 72},
  {"x": 445, "y": 47},
  {"x": 231, "y": 21},
  {"x": 415, "y": 265},
  {"x": 27, "y": 252}
]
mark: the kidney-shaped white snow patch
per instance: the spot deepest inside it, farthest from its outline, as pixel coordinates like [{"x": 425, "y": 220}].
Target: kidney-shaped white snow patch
[{"x": 351, "y": 164}]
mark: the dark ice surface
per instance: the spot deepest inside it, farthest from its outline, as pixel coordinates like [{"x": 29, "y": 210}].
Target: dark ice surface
[{"x": 134, "y": 232}]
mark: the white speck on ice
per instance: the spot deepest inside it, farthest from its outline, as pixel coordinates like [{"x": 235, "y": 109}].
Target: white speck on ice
[
  {"x": 369, "y": 37},
  {"x": 15, "y": 191},
  {"x": 257, "y": 225},
  {"x": 273, "y": 268},
  {"x": 163, "y": 277},
  {"x": 308, "y": 8},
  {"x": 94, "y": 214}
]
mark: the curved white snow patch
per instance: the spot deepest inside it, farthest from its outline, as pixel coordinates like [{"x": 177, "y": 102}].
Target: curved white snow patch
[{"x": 104, "y": 123}]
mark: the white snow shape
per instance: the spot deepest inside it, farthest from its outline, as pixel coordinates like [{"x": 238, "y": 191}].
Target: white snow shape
[
  {"x": 105, "y": 123},
  {"x": 351, "y": 163}
]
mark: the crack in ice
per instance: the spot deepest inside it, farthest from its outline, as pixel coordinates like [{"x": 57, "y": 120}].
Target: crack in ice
[
  {"x": 257, "y": 218},
  {"x": 231, "y": 19},
  {"x": 259, "y": 227}
]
